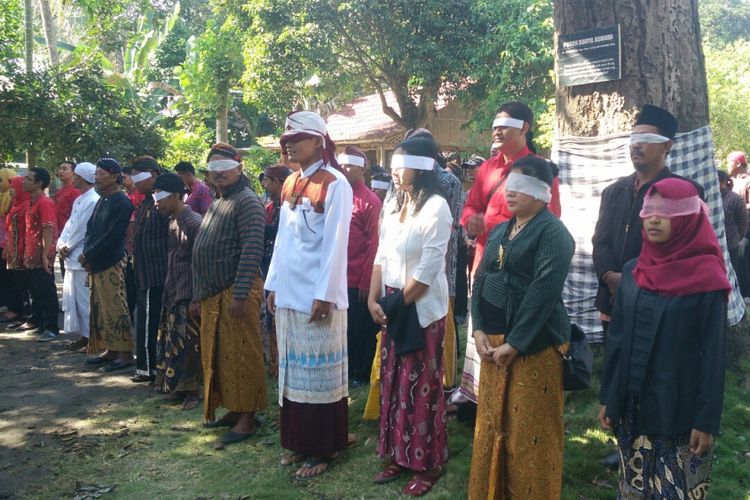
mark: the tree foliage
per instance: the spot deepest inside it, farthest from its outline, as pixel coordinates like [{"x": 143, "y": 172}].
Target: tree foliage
[
  {"x": 420, "y": 49},
  {"x": 11, "y": 33},
  {"x": 724, "y": 22},
  {"x": 514, "y": 60},
  {"x": 73, "y": 115},
  {"x": 729, "y": 96}
]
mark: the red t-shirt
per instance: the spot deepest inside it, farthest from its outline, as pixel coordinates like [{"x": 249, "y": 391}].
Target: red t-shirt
[
  {"x": 64, "y": 198},
  {"x": 136, "y": 198},
  {"x": 40, "y": 215},
  {"x": 492, "y": 205}
]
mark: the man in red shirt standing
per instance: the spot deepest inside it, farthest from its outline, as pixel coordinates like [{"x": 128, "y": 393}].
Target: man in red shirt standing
[
  {"x": 363, "y": 245},
  {"x": 64, "y": 198},
  {"x": 39, "y": 254},
  {"x": 485, "y": 205}
]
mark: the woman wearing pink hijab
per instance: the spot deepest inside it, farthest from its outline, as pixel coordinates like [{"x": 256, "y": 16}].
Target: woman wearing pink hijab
[
  {"x": 663, "y": 382},
  {"x": 15, "y": 225}
]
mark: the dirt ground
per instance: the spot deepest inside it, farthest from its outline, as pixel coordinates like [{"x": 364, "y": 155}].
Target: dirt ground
[{"x": 46, "y": 401}]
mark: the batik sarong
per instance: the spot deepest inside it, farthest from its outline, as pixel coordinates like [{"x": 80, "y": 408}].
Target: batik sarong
[
  {"x": 313, "y": 381},
  {"x": 469, "y": 389},
  {"x": 531, "y": 454},
  {"x": 178, "y": 361},
  {"x": 412, "y": 404},
  {"x": 659, "y": 466},
  {"x": 372, "y": 407},
  {"x": 449, "y": 349},
  {"x": 110, "y": 318},
  {"x": 232, "y": 354},
  {"x": 313, "y": 361}
]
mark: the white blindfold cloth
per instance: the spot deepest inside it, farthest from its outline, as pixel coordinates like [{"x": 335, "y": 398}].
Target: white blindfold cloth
[
  {"x": 648, "y": 139},
  {"x": 528, "y": 185},
  {"x": 222, "y": 165},
  {"x": 667, "y": 207},
  {"x": 505, "y": 121},
  {"x": 160, "y": 195},
  {"x": 140, "y": 176},
  {"x": 384, "y": 185},
  {"x": 412, "y": 161},
  {"x": 345, "y": 159}
]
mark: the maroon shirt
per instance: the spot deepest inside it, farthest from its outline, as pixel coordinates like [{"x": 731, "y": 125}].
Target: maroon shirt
[{"x": 363, "y": 236}]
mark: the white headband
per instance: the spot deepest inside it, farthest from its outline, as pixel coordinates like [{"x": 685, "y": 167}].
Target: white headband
[
  {"x": 142, "y": 176},
  {"x": 384, "y": 185},
  {"x": 222, "y": 165},
  {"x": 160, "y": 195},
  {"x": 648, "y": 139},
  {"x": 410, "y": 161},
  {"x": 507, "y": 122},
  {"x": 355, "y": 160},
  {"x": 526, "y": 184}
]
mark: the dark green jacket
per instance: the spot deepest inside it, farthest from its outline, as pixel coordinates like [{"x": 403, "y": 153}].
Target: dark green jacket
[{"x": 529, "y": 284}]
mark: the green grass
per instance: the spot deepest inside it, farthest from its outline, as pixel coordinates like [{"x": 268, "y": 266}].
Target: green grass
[{"x": 132, "y": 444}]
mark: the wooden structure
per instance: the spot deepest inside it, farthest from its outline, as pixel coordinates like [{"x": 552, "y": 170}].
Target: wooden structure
[{"x": 362, "y": 123}]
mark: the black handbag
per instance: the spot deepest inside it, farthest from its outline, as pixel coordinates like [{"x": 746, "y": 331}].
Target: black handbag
[{"x": 577, "y": 362}]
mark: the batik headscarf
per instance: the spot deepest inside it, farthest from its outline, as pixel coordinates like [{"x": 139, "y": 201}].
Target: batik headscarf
[
  {"x": 691, "y": 261},
  {"x": 112, "y": 166},
  {"x": 308, "y": 125}
]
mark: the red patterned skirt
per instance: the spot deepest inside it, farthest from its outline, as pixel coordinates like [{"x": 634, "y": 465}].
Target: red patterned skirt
[{"x": 412, "y": 405}]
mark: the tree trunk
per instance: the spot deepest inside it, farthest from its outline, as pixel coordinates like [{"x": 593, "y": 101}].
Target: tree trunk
[
  {"x": 662, "y": 64},
  {"x": 29, "y": 60},
  {"x": 28, "y": 36},
  {"x": 50, "y": 32},
  {"x": 222, "y": 117}
]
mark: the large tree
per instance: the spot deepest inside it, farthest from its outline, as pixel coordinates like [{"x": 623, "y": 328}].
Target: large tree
[
  {"x": 72, "y": 115},
  {"x": 662, "y": 64},
  {"x": 419, "y": 49},
  {"x": 212, "y": 68}
]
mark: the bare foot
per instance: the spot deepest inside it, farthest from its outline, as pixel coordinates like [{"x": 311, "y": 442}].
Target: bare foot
[{"x": 292, "y": 458}]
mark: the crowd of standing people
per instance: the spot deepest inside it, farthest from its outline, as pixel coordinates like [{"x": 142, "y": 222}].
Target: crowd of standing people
[{"x": 347, "y": 273}]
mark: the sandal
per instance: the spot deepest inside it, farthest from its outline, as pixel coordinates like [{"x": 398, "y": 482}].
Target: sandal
[
  {"x": 391, "y": 473},
  {"x": 232, "y": 437},
  {"x": 222, "y": 422},
  {"x": 314, "y": 467},
  {"x": 420, "y": 484}
]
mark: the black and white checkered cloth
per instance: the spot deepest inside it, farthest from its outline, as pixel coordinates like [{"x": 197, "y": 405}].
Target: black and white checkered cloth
[{"x": 587, "y": 166}]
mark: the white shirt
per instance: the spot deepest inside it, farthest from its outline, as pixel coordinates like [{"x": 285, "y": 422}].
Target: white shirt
[
  {"x": 416, "y": 249},
  {"x": 73, "y": 234},
  {"x": 309, "y": 257}
]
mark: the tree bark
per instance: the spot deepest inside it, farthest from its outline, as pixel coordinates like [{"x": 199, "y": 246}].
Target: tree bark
[
  {"x": 222, "y": 117},
  {"x": 50, "y": 32},
  {"x": 29, "y": 60},
  {"x": 28, "y": 12},
  {"x": 662, "y": 64}
]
